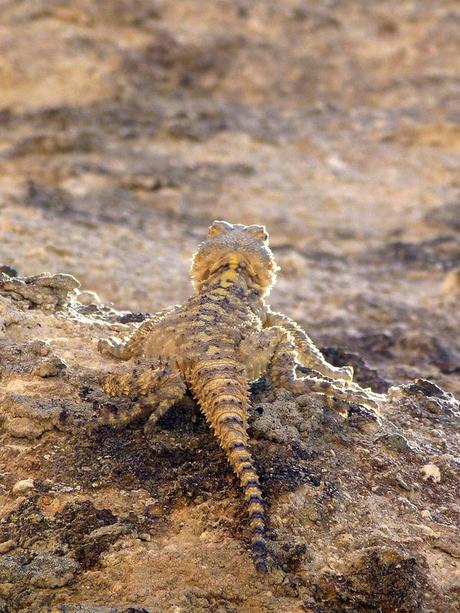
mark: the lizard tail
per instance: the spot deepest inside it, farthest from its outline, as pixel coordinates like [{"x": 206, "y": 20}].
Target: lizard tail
[
  {"x": 241, "y": 460},
  {"x": 224, "y": 400}
]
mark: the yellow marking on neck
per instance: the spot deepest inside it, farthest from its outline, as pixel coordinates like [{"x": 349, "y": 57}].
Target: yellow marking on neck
[
  {"x": 233, "y": 260},
  {"x": 229, "y": 275},
  {"x": 228, "y": 278}
]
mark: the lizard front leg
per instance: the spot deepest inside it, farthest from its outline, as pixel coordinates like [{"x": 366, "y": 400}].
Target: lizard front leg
[
  {"x": 308, "y": 354},
  {"x": 153, "y": 387},
  {"x": 273, "y": 350}
]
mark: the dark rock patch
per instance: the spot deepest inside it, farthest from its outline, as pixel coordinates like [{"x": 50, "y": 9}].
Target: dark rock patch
[{"x": 384, "y": 580}]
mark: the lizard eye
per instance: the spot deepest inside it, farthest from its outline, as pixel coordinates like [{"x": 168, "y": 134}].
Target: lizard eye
[{"x": 258, "y": 232}]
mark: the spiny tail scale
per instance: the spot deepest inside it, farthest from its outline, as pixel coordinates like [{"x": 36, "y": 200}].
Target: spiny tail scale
[{"x": 221, "y": 387}]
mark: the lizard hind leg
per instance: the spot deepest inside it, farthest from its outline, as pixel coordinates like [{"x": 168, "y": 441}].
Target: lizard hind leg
[{"x": 153, "y": 387}]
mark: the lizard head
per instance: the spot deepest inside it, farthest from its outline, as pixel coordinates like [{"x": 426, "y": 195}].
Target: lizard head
[{"x": 235, "y": 246}]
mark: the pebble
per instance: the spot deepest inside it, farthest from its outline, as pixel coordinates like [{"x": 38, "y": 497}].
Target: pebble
[
  {"x": 7, "y": 546},
  {"x": 395, "y": 441},
  {"x": 23, "y": 427},
  {"x": 49, "y": 571},
  {"x": 24, "y": 485},
  {"x": 427, "y": 531},
  {"x": 88, "y": 297},
  {"x": 448, "y": 546},
  {"x": 431, "y": 472},
  {"x": 50, "y": 367},
  {"x": 39, "y": 347},
  {"x": 400, "y": 481},
  {"x": 451, "y": 283}
]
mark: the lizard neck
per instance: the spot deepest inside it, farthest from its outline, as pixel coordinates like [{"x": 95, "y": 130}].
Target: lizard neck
[
  {"x": 230, "y": 278},
  {"x": 234, "y": 278}
]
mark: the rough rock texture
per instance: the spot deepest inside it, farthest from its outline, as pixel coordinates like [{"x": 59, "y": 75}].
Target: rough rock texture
[{"x": 125, "y": 128}]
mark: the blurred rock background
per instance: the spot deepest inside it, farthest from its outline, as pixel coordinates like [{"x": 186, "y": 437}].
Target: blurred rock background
[{"x": 126, "y": 127}]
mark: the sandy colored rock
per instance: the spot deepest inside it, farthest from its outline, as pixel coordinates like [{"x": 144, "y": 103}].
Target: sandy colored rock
[
  {"x": 51, "y": 572},
  {"x": 431, "y": 472},
  {"x": 7, "y": 546},
  {"x": 49, "y": 368},
  {"x": 21, "y": 427},
  {"x": 125, "y": 129},
  {"x": 23, "y": 486}
]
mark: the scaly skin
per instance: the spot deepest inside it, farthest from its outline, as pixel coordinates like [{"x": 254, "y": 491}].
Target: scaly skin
[{"x": 218, "y": 341}]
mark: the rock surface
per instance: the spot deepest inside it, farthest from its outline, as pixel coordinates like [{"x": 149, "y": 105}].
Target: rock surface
[{"x": 136, "y": 124}]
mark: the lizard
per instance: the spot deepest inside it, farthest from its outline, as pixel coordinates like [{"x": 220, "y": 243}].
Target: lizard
[{"x": 222, "y": 338}]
